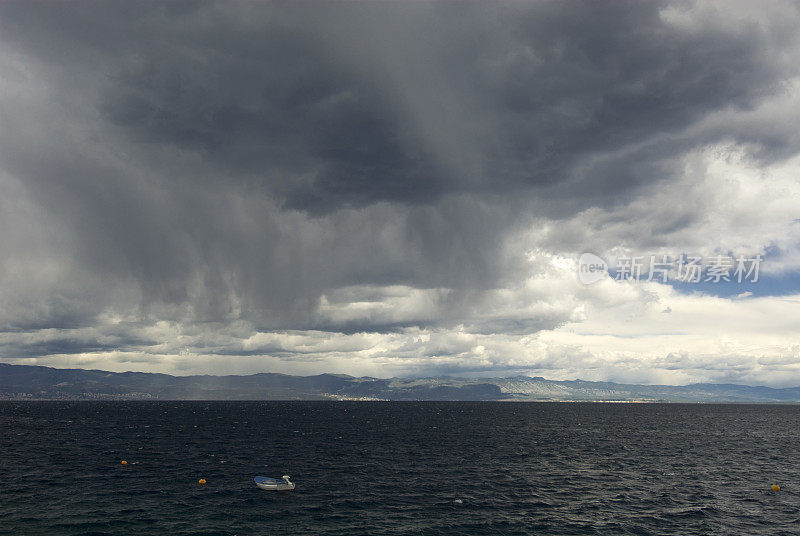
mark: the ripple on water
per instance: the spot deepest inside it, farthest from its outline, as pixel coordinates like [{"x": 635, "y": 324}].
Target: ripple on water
[{"x": 398, "y": 468}]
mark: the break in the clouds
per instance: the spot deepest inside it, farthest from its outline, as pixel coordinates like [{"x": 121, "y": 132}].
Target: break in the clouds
[{"x": 397, "y": 188}]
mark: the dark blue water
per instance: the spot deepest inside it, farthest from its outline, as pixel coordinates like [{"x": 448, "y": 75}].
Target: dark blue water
[{"x": 396, "y": 468}]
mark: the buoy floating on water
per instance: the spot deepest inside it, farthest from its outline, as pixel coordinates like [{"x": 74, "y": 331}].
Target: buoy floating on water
[
  {"x": 201, "y": 481},
  {"x": 123, "y": 462},
  {"x": 776, "y": 487}
]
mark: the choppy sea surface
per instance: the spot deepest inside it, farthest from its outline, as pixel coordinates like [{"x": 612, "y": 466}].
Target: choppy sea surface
[{"x": 398, "y": 468}]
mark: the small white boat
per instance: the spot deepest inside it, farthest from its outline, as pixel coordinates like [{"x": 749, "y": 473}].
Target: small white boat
[{"x": 284, "y": 484}]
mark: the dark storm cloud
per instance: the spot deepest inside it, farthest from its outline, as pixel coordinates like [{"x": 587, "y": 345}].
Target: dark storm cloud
[
  {"x": 221, "y": 161},
  {"x": 336, "y": 106},
  {"x": 316, "y": 103}
]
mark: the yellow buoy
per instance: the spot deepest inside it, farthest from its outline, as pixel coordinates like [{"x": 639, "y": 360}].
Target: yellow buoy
[
  {"x": 123, "y": 462},
  {"x": 201, "y": 481},
  {"x": 776, "y": 487}
]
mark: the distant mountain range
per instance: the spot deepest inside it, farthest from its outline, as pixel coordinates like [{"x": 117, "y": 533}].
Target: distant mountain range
[{"x": 23, "y": 382}]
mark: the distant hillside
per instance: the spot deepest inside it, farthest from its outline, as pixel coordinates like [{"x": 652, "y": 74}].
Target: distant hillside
[{"x": 21, "y": 382}]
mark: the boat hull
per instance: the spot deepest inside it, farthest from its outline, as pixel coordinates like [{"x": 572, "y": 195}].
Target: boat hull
[
  {"x": 276, "y": 487},
  {"x": 273, "y": 484}
]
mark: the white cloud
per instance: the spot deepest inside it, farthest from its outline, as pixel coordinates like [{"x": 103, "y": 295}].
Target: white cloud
[{"x": 609, "y": 330}]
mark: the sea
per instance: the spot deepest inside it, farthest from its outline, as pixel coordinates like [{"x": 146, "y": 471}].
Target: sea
[{"x": 391, "y": 468}]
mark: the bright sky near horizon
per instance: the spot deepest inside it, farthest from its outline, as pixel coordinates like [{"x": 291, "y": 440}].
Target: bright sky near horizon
[{"x": 401, "y": 188}]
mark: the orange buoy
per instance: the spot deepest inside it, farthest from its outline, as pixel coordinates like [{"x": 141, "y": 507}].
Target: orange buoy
[
  {"x": 201, "y": 481},
  {"x": 123, "y": 462},
  {"x": 776, "y": 487}
]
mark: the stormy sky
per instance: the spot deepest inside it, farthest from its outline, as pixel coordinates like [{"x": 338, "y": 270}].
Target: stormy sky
[{"x": 398, "y": 188}]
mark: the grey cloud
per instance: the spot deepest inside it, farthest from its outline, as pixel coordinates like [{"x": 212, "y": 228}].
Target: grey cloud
[
  {"x": 64, "y": 346},
  {"x": 215, "y": 162}
]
